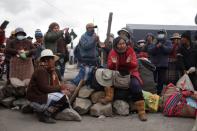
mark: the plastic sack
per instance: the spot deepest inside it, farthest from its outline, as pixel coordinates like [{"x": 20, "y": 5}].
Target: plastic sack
[
  {"x": 151, "y": 101},
  {"x": 185, "y": 83}
]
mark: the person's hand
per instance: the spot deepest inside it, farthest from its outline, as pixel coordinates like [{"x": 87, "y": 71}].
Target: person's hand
[
  {"x": 128, "y": 59},
  {"x": 158, "y": 45},
  {"x": 23, "y": 55},
  {"x": 114, "y": 59},
  {"x": 66, "y": 30},
  {"x": 191, "y": 70}
]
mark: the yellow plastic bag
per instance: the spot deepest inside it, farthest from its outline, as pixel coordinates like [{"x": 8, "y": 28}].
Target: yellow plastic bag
[{"x": 151, "y": 101}]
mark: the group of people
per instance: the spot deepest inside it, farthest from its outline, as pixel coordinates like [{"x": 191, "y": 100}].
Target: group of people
[{"x": 39, "y": 67}]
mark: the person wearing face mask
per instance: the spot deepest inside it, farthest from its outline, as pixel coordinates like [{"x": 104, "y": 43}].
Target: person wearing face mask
[
  {"x": 57, "y": 40},
  {"x": 159, "y": 53},
  {"x": 21, "y": 66},
  {"x": 89, "y": 56}
]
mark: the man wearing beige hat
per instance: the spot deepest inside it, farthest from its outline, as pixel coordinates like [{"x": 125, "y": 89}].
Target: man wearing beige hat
[
  {"x": 173, "y": 74},
  {"x": 88, "y": 53}
]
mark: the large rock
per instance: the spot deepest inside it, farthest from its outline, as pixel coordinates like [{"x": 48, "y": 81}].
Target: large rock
[
  {"x": 96, "y": 96},
  {"x": 85, "y": 92},
  {"x": 100, "y": 109},
  {"x": 82, "y": 106},
  {"x": 68, "y": 115},
  {"x": 121, "y": 107},
  {"x": 8, "y": 102},
  {"x": 21, "y": 102}
]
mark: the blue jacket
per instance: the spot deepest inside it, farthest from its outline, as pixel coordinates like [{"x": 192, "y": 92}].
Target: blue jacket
[
  {"x": 159, "y": 56},
  {"x": 88, "y": 49}
]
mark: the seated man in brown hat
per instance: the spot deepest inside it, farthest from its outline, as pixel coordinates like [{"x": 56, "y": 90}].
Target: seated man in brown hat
[{"x": 46, "y": 93}]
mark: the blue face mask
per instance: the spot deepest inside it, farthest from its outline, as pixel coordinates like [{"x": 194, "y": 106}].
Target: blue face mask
[{"x": 90, "y": 33}]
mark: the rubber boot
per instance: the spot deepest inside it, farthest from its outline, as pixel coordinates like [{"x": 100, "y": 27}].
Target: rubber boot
[
  {"x": 140, "y": 105},
  {"x": 109, "y": 95},
  {"x": 43, "y": 117}
]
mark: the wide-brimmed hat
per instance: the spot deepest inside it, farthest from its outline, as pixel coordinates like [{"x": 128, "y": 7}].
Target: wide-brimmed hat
[
  {"x": 48, "y": 52},
  {"x": 20, "y": 30},
  {"x": 175, "y": 36},
  {"x": 124, "y": 30},
  {"x": 104, "y": 77}
]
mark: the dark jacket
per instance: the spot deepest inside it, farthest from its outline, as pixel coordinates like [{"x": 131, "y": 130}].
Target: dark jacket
[
  {"x": 15, "y": 45},
  {"x": 88, "y": 49},
  {"x": 186, "y": 58},
  {"x": 57, "y": 42},
  {"x": 40, "y": 86},
  {"x": 159, "y": 56}
]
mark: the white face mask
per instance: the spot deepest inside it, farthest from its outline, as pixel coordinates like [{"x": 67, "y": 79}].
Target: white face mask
[
  {"x": 20, "y": 37},
  {"x": 142, "y": 44},
  {"x": 160, "y": 36}
]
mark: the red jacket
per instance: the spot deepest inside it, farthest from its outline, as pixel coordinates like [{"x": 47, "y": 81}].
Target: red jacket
[{"x": 121, "y": 64}]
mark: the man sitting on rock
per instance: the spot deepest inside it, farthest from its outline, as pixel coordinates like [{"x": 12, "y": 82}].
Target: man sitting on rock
[{"x": 45, "y": 92}]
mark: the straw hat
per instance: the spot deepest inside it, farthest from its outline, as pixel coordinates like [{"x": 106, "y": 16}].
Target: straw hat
[
  {"x": 104, "y": 77},
  {"x": 175, "y": 36}
]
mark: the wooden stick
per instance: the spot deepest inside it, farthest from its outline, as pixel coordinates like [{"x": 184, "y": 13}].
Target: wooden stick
[{"x": 74, "y": 95}]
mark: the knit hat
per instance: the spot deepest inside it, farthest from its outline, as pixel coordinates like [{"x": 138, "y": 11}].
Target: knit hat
[
  {"x": 38, "y": 33},
  {"x": 187, "y": 35}
]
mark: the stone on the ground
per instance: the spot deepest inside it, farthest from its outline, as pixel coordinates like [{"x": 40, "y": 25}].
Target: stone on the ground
[
  {"x": 100, "y": 109},
  {"x": 96, "y": 96},
  {"x": 82, "y": 105},
  {"x": 85, "y": 92},
  {"x": 8, "y": 102},
  {"x": 68, "y": 115},
  {"x": 121, "y": 107},
  {"x": 21, "y": 102}
]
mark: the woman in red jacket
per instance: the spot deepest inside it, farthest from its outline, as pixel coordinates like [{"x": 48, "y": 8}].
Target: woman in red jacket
[{"x": 123, "y": 59}]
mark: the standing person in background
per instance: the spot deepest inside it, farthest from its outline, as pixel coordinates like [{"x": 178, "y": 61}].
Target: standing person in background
[
  {"x": 7, "y": 56},
  {"x": 173, "y": 74},
  {"x": 2, "y": 49},
  {"x": 87, "y": 48},
  {"x": 149, "y": 40},
  {"x": 187, "y": 58},
  {"x": 159, "y": 54},
  {"x": 21, "y": 66},
  {"x": 57, "y": 40},
  {"x": 39, "y": 45}
]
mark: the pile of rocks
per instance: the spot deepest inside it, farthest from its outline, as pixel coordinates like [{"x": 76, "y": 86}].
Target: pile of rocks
[{"x": 87, "y": 103}]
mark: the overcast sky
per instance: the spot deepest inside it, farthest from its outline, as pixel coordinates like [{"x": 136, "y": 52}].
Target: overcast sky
[{"x": 34, "y": 14}]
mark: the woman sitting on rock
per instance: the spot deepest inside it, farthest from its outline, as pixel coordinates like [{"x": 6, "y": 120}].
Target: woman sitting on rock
[{"x": 123, "y": 59}]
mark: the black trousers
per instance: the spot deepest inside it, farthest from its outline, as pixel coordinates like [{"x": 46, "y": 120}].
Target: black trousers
[{"x": 160, "y": 77}]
